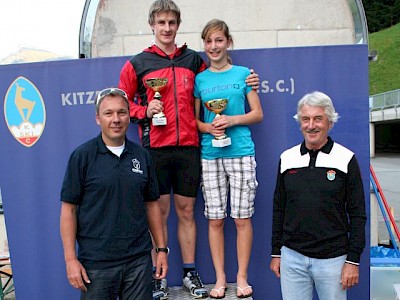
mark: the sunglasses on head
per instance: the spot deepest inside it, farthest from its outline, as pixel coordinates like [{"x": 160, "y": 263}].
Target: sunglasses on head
[{"x": 110, "y": 91}]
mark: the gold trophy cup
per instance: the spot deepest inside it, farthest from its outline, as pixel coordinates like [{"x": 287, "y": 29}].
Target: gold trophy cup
[
  {"x": 157, "y": 84},
  {"x": 217, "y": 106}
]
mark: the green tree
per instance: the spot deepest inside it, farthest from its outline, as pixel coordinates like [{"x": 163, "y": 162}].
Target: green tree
[{"x": 381, "y": 14}]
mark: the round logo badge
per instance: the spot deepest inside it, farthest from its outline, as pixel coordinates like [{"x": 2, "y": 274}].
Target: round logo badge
[
  {"x": 24, "y": 111},
  {"x": 331, "y": 175}
]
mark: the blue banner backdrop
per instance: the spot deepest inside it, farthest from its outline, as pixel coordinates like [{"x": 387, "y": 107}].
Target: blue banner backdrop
[{"x": 48, "y": 111}]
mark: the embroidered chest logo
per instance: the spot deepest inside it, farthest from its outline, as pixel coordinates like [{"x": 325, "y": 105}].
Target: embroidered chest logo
[
  {"x": 331, "y": 175},
  {"x": 136, "y": 166},
  {"x": 186, "y": 81}
]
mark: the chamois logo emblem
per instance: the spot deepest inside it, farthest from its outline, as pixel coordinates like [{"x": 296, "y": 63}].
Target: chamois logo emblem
[
  {"x": 24, "y": 111},
  {"x": 24, "y": 106}
]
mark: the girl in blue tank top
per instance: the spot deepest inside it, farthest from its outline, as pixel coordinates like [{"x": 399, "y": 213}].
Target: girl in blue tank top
[{"x": 227, "y": 151}]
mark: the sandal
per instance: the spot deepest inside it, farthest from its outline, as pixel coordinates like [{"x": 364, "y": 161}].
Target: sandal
[
  {"x": 242, "y": 290},
  {"x": 222, "y": 288}
]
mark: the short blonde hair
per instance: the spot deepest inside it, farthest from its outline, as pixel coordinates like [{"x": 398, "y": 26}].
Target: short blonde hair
[{"x": 161, "y": 6}]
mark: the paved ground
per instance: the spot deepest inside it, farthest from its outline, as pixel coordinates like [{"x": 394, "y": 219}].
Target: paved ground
[{"x": 387, "y": 170}]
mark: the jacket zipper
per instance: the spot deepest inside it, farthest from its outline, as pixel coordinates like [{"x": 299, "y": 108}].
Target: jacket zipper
[
  {"x": 175, "y": 95},
  {"x": 176, "y": 103}
]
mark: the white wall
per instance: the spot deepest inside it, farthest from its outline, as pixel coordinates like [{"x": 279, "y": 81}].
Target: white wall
[{"x": 121, "y": 27}]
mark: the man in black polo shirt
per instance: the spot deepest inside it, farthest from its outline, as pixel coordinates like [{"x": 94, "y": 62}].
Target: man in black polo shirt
[
  {"x": 318, "y": 231},
  {"x": 109, "y": 204}
]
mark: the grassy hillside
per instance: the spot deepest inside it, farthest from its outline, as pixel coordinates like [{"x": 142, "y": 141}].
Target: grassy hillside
[{"x": 384, "y": 74}]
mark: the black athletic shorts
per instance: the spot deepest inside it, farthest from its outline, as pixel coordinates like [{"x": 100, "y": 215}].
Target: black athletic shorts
[{"x": 177, "y": 168}]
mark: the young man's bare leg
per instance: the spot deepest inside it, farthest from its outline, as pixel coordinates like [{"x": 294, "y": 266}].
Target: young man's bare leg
[
  {"x": 187, "y": 234},
  {"x": 184, "y": 207}
]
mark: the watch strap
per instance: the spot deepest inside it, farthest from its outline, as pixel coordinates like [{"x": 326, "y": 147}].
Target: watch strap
[{"x": 163, "y": 249}]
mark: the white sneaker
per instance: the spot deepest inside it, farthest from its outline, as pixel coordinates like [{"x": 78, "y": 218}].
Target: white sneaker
[
  {"x": 160, "y": 289},
  {"x": 193, "y": 284}
]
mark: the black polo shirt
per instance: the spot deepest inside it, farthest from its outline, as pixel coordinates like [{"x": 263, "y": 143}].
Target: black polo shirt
[
  {"x": 319, "y": 207},
  {"x": 110, "y": 192}
]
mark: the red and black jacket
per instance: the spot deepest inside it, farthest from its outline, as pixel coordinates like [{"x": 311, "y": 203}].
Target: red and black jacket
[{"x": 180, "y": 69}]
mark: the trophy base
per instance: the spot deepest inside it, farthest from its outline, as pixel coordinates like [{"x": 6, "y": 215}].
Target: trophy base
[
  {"x": 221, "y": 143},
  {"x": 159, "y": 121}
]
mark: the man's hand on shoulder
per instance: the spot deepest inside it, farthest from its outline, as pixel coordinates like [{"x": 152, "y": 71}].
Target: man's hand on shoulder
[{"x": 253, "y": 80}]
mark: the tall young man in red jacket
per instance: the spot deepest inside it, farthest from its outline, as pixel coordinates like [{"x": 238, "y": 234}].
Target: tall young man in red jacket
[{"x": 175, "y": 145}]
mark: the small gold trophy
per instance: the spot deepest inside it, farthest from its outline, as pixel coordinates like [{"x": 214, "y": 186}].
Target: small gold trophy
[
  {"x": 217, "y": 106},
  {"x": 157, "y": 84}
]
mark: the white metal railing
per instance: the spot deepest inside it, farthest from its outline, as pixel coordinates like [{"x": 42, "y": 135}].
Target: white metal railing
[{"x": 385, "y": 100}]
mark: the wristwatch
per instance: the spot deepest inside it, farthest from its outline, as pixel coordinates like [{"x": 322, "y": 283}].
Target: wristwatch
[{"x": 166, "y": 250}]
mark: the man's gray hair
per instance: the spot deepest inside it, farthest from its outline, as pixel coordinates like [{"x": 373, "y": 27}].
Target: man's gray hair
[{"x": 318, "y": 99}]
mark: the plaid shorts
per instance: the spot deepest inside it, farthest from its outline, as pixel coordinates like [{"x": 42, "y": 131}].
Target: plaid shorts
[{"x": 238, "y": 175}]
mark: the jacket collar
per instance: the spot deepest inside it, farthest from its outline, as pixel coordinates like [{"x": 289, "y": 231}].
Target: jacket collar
[
  {"x": 325, "y": 148},
  {"x": 155, "y": 49}
]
